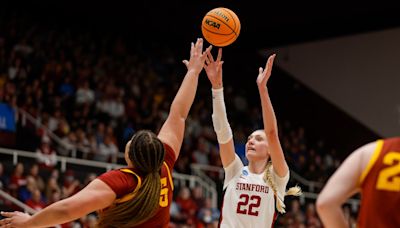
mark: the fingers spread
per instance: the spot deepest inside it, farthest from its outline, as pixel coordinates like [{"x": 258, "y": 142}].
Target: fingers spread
[
  {"x": 209, "y": 57},
  {"x": 200, "y": 45},
  {"x": 219, "y": 57},
  {"x": 220, "y": 65},
  {"x": 191, "y": 48}
]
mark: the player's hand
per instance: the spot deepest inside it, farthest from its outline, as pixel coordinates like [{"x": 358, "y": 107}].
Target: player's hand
[
  {"x": 214, "y": 69},
  {"x": 14, "y": 219},
  {"x": 265, "y": 74},
  {"x": 197, "y": 57}
]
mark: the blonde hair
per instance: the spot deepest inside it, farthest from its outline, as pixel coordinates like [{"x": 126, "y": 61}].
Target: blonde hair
[{"x": 294, "y": 191}]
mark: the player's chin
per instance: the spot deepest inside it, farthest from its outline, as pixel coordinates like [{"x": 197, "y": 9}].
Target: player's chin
[{"x": 251, "y": 155}]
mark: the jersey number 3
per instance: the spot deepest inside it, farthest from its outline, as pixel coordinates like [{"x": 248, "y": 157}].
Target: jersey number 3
[
  {"x": 389, "y": 178},
  {"x": 248, "y": 204}
]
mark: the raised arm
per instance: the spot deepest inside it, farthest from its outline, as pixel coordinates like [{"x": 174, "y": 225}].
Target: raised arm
[
  {"x": 219, "y": 117},
  {"x": 97, "y": 195},
  {"x": 269, "y": 119},
  {"x": 342, "y": 185},
  {"x": 172, "y": 131}
]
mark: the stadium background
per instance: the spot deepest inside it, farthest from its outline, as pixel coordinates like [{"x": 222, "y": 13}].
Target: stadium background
[{"x": 82, "y": 77}]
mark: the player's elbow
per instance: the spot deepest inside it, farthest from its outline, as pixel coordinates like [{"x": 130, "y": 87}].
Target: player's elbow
[{"x": 322, "y": 203}]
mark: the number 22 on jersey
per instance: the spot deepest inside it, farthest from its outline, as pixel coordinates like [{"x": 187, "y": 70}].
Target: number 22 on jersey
[{"x": 248, "y": 204}]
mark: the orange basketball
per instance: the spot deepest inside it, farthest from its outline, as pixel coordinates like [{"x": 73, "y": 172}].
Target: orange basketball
[{"x": 220, "y": 27}]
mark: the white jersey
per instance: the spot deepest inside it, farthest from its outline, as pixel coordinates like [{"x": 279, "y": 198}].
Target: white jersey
[{"x": 249, "y": 201}]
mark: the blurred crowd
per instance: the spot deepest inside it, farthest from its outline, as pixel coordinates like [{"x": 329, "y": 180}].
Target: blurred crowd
[
  {"x": 38, "y": 189},
  {"x": 95, "y": 91}
]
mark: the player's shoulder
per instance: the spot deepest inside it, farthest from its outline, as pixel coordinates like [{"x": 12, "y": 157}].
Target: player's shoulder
[
  {"x": 122, "y": 173},
  {"x": 114, "y": 172},
  {"x": 395, "y": 140},
  {"x": 369, "y": 148},
  {"x": 170, "y": 155},
  {"x": 169, "y": 150}
]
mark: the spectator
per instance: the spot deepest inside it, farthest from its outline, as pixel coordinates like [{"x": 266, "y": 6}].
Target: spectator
[
  {"x": 208, "y": 215},
  {"x": 68, "y": 144},
  {"x": 84, "y": 94},
  {"x": 176, "y": 215},
  {"x": 107, "y": 152},
  {"x": 200, "y": 155},
  {"x": 197, "y": 196},
  {"x": 23, "y": 48},
  {"x": 54, "y": 197},
  {"x": 34, "y": 173},
  {"x": 25, "y": 192},
  {"x": 83, "y": 145},
  {"x": 36, "y": 202},
  {"x": 100, "y": 133},
  {"x": 53, "y": 190},
  {"x": 312, "y": 217},
  {"x": 17, "y": 179},
  {"x": 187, "y": 206},
  {"x": 67, "y": 89},
  {"x": 71, "y": 184},
  {"x": 46, "y": 156},
  {"x": 295, "y": 215},
  {"x": 54, "y": 120}
]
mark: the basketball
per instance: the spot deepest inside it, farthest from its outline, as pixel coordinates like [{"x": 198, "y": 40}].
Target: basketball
[{"x": 220, "y": 27}]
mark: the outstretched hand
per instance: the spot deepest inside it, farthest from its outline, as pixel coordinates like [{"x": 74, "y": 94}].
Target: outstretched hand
[
  {"x": 197, "y": 56},
  {"x": 214, "y": 69},
  {"x": 265, "y": 74},
  {"x": 14, "y": 219}
]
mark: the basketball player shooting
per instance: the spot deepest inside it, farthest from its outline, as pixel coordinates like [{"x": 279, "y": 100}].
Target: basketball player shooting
[{"x": 251, "y": 192}]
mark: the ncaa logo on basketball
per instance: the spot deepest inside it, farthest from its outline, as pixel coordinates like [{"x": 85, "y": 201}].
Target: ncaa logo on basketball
[{"x": 212, "y": 23}]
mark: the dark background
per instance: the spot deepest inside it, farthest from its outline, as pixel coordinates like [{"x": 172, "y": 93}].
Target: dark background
[{"x": 265, "y": 24}]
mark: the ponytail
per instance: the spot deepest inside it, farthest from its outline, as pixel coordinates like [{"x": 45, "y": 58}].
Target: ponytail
[{"x": 280, "y": 205}]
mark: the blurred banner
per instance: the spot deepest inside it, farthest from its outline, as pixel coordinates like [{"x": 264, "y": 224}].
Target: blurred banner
[{"x": 7, "y": 118}]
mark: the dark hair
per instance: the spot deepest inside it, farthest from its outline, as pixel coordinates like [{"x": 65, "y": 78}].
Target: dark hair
[{"x": 147, "y": 153}]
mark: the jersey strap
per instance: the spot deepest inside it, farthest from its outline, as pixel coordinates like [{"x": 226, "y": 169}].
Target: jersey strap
[
  {"x": 169, "y": 175},
  {"x": 372, "y": 160},
  {"x": 130, "y": 196}
]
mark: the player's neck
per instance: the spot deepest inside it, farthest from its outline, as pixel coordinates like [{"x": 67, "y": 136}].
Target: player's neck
[{"x": 257, "y": 167}]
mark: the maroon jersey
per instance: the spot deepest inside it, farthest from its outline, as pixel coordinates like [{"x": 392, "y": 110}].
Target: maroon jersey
[
  {"x": 380, "y": 187},
  {"x": 127, "y": 181}
]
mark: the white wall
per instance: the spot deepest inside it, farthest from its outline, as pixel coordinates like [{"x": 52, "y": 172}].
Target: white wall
[{"x": 359, "y": 73}]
